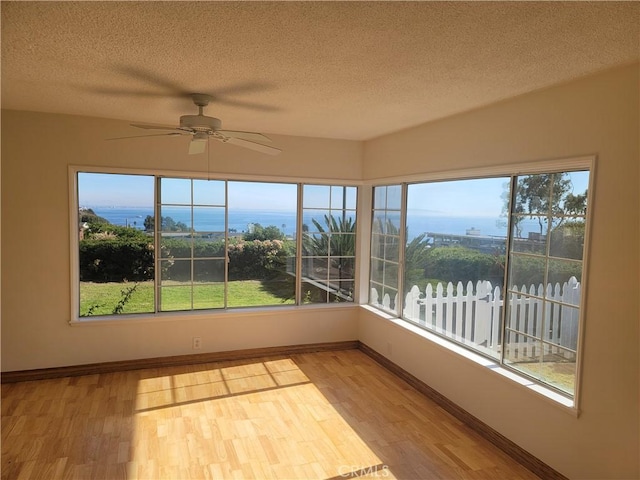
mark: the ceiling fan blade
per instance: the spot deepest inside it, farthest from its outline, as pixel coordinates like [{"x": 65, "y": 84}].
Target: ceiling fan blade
[
  {"x": 150, "y": 135},
  {"x": 197, "y": 146},
  {"x": 251, "y": 136},
  {"x": 149, "y": 126},
  {"x": 253, "y": 146}
]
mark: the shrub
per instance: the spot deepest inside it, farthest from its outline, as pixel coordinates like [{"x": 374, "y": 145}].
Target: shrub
[
  {"x": 116, "y": 260},
  {"x": 460, "y": 264},
  {"x": 257, "y": 259}
]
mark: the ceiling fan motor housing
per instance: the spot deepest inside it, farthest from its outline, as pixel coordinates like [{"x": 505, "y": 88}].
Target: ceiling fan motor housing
[{"x": 200, "y": 122}]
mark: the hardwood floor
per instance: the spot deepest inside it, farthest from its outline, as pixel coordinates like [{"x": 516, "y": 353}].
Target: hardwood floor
[{"x": 324, "y": 415}]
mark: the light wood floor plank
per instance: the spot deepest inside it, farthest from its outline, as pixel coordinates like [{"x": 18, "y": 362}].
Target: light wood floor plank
[{"x": 324, "y": 415}]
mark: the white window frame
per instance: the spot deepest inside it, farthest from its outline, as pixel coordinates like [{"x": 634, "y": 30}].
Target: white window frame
[
  {"x": 76, "y": 319},
  {"x": 538, "y": 167}
]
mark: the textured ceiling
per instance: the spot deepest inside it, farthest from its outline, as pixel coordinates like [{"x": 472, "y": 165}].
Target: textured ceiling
[{"x": 352, "y": 70}]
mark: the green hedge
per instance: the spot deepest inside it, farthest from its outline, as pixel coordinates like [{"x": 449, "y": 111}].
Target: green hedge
[
  {"x": 132, "y": 259},
  {"x": 257, "y": 259},
  {"x": 116, "y": 260},
  {"x": 454, "y": 264}
]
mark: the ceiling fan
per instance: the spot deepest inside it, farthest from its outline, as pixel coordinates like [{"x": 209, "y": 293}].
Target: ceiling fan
[{"x": 202, "y": 127}]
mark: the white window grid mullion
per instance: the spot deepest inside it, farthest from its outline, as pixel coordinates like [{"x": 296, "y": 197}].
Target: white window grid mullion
[
  {"x": 402, "y": 245},
  {"x": 157, "y": 281}
]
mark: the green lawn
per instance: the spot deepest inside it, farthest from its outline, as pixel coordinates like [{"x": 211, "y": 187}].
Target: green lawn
[{"x": 104, "y": 298}]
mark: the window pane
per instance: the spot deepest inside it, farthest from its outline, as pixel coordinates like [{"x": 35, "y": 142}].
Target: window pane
[
  {"x": 341, "y": 268},
  {"x": 342, "y": 245},
  {"x": 545, "y": 306},
  {"x": 208, "y": 296},
  {"x": 315, "y": 268},
  {"x": 211, "y": 246},
  {"x": 317, "y": 196},
  {"x": 384, "y": 274},
  {"x": 175, "y": 191},
  {"x": 551, "y": 364},
  {"x": 392, "y": 223},
  {"x": 338, "y": 197},
  {"x": 391, "y": 275},
  {"x": 314, "y": 292},
  {"x": 377, "y": 246},
  {"x": 342, "y": 197},
  {"x": 526, "y": 271},
  {"x": 564, "y": 272},
  {"x": 208, "y": 219},
  {"x": 173, "y": 246},
  {"x": 176, "y": 219},
  {"x": 316, "y": 220},
  {"x": 394, "y": 197},
  {"x": 208, "y": 270},
  {"x": 530, "y": 234},
  {"x": 176, "y": 297},
  {"x": 378, "y": 221},
  {"x": 561, "y": 325},
  {"x": 380, "y": 198},
  {"x": 526, "y": 314},
  {"x": 261, "y": 260},
  {"x": 176, "y": 270},
  {"x": 574, "y": 200},
  {"x": 455, "y": 257},
  {"x": 116, "y": 252},
  {"x": 351, "y": 198},
  {"x": 377, "y": 272},
  {"x": 208, "y": 192},
  {"x": 567, "y": 239},
  {"x": 343, "y": 291},
  {"x": 329, "y": 238},
  {"x": 522, "y": 350}
]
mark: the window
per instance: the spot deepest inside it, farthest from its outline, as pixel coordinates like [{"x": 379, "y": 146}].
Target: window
[
  {"x": 328, "y": 243},
  {"x": 262, "y": 246},
  {"x": 494, "y": 264},
  {"x": 116, "y": 257},
  {"x": 385, "y": 247},
  {"x": 548, "y": 218},
  {"x": 150, "y": 244},
  {"x": 192, "y": 244},
  {"x": 456, "y": 252}
]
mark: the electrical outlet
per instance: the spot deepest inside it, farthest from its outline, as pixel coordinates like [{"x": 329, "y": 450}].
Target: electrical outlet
[{"x": 196, "y": 343}]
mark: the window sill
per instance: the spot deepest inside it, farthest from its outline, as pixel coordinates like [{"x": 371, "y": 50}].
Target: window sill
[
  {"x": 181, "y": 316},
  {"x": 566, "y": 404}
]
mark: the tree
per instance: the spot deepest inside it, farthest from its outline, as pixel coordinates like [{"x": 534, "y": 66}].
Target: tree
[
  {"x": 149, "y": 223},
  {"x": 335, "y": 239},
  {"x": 87, "y": 215},
  {"x": 538, "y": 196},
  {"x": 168, "y": 224},
  {"x": 576, "y": 204},
  {"x": 258, "y": 232}
]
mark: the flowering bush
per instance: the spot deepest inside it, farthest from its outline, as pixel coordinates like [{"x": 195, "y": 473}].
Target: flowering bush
[{"x": 256, "y": 259}]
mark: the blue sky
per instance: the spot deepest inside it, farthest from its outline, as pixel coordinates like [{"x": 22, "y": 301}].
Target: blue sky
[
  {"x": 481, "y": 197},
  {"x": 115, "y": 190}
]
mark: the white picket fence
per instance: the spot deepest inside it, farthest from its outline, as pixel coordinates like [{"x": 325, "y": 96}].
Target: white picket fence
[{"x": 472, "y": 315}]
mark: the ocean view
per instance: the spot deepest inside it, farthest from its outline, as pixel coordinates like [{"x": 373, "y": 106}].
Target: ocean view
[{"x": 239, "y": 220}]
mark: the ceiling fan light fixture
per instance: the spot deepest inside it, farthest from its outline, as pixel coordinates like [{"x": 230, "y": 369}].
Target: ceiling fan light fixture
[{"x": 198, "y": 143}]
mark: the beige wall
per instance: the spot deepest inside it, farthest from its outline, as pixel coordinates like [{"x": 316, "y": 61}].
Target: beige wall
[
  {"x": 36, "y": 151},
  {"x": 596, "y": 115}
]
